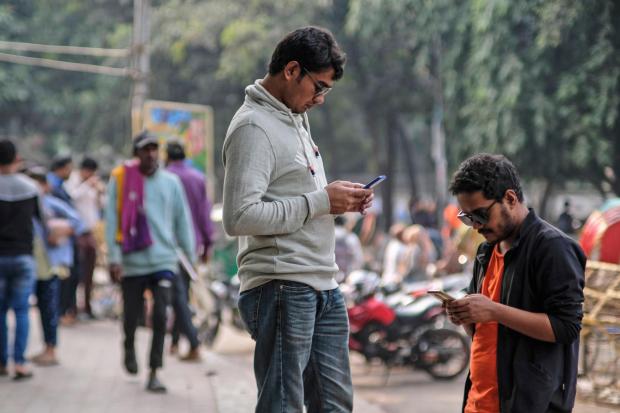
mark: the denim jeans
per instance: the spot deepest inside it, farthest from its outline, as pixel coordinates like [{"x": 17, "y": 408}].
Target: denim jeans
[
  {"x": 301, "y": 354},
  {"x": 17, "y": 278},
  {"x": 48, "y": 297}
]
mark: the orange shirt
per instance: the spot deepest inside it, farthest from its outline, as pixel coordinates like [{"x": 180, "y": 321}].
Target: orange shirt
[{"x": 484, "y": 396}]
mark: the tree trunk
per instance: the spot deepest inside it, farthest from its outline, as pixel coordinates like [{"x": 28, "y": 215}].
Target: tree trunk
[
  {"x": 407, "y": 158},
  {"x": 544, "y": 201},
  {"x": 389, "y": 169}
]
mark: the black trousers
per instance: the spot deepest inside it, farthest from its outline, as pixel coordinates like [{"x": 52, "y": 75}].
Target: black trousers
[
  {"x": 133, "y": 305},
  {"x": 68, "y": 287},
  {"x": 182, "y": 313}
]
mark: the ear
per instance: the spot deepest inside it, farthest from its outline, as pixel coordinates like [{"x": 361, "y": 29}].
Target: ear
[
  {"x": 292, "y": 70},
  {"x": 511, "y": 197}
]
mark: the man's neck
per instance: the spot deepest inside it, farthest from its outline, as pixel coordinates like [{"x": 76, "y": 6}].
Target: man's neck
[
  {"x": 270, "y": 84},
  {"x": 7, "y": 169}
]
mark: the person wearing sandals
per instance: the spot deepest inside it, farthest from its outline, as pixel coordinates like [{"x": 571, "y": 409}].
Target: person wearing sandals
[
  {"x": 54, "y": 254},
  {"x": 19, "y": 204}
]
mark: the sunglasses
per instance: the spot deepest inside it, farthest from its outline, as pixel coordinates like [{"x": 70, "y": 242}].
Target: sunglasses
[
  {"x": 319, "y": 89},
  {"x": 480, "y": 216}
]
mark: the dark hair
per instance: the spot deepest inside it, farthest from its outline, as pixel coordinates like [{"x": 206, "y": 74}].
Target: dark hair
[
  {"x": 491, "y": 174},
  {"x": 8, "y": 152},
  {"x": 38, "y": 173},
  {"x": 89, "y": 163},
  {"x": 314, "y": 48},
  {"x": 175, "y": 151},
  {"x": 60, "y": 162}
]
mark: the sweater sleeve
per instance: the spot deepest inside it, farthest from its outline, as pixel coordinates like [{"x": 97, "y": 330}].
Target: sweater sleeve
[
  {"x": 561, "y": 277},
  {"x": 184, "y": 230},
  {"x": 250, "y": 165}
]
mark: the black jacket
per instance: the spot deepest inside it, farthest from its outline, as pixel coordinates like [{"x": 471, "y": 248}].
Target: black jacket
[{"x": 543, "y": 273}]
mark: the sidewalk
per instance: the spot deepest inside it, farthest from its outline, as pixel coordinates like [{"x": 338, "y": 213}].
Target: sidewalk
[{"x": 90, "y": 377}]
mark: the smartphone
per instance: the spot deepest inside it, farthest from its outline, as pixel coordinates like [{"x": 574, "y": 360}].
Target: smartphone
[
  {"x": 441, "y": 295},
  {"x": 375, "y": 181}
]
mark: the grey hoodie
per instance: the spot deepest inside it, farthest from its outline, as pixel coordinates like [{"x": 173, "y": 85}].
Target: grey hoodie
[{"x": 272, "y": 200}]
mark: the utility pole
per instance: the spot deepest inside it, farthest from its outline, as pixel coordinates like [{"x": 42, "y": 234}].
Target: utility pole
[
  {"x": 438, "y": 139},
  {"x": 140, "y": 61}
]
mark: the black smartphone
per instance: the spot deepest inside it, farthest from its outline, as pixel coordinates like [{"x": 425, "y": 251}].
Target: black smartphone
[{"x": 375, "y": 181}]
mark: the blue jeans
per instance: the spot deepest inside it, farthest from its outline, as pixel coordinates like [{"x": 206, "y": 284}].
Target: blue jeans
[
  {"x": 301, "y": 354},
  {"x": 17, "y": 278},
  {"x": 48, "y": 298}
]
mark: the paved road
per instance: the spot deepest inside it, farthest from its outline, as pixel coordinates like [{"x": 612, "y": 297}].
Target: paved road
[{"x": 90, "y": 380}]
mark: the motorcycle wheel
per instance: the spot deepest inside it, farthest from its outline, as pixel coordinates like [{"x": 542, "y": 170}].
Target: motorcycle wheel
[
  {"x": 443, "y": 353},
  {"x": 371, "y": 337}
]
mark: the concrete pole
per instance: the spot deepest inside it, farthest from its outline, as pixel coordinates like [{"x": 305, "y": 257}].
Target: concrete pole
[{"x": 140, "y": 61}]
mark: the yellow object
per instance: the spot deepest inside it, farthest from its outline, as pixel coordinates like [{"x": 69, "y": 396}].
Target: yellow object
[{"x": 119, "y": 175}]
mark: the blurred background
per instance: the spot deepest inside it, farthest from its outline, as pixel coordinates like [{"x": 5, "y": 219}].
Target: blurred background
[{"x": 427, "y": 84}]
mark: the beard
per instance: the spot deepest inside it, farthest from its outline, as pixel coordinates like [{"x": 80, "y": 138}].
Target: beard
[{"x": 504, "y": 229}]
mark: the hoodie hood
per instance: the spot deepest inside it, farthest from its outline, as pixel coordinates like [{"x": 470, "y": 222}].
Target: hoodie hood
[{"x": 258, "y": 97}]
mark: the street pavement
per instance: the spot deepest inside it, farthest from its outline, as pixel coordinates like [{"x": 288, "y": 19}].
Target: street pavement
[{"x": 90, "y": 379}]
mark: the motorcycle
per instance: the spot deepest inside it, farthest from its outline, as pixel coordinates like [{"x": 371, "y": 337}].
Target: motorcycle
[
  {"x": 406, "y": 328},
  {"x": 222, "y": 297}
]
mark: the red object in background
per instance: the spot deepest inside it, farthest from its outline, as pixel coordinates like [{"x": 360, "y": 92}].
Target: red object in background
[
  {"x": 600, "y": 236},
  {"x": 370, "y": 310}
]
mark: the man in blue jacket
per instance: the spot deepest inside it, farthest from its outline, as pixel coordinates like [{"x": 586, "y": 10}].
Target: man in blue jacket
[{"x": 524, "y": 309}]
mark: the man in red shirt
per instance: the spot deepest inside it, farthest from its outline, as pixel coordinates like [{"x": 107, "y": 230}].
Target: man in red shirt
[{"x": 524, "y": 309}]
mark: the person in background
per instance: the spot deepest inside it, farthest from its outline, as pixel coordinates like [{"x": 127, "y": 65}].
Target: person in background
[
  {"x": 566, "y": 221},
  {"x": 525, "y": 301},
  {"x": 147, "y": 218},
  {"x": 348, "y": 250},
  {"x": 54, "y": 253},
  {"x": 195, "y": 188},
  {"x": 396, "y": 263},
  {"x": 60, "y": 171},
  {"x": 20, "y": 205},
  {"x": 87, "y": 191}
]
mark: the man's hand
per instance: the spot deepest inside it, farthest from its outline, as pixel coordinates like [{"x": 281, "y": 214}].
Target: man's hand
[
  {"x": 346, "y": 196},
  {"x": 474, "y": 308},
  {"x": 116, "y": 272}
]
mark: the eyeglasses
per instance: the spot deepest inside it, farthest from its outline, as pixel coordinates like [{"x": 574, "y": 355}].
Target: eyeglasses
[
  {"x": 479, "y": 216},
  {"x": 319, "y": 89}
]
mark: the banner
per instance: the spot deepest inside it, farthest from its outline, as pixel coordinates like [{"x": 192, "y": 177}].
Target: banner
[{"x": 192, "y": 124}]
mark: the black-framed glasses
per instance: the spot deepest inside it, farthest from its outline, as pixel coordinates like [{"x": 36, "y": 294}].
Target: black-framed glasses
[
  {"x": 319, "y": 89},
  {"x": 480, "y": 216}
]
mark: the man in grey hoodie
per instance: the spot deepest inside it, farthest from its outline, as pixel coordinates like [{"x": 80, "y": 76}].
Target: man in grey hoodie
[{"x": 277, "y": 200}]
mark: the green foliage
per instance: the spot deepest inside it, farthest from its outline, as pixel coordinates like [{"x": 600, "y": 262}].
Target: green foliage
[{"x": 536, "y": 80}]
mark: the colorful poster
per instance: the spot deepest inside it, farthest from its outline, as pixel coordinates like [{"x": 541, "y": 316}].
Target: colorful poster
[{"x": 192, "y": 124}]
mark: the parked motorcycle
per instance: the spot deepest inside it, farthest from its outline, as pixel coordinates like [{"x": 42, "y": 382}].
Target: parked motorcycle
[{"x": 406, "y": 328}]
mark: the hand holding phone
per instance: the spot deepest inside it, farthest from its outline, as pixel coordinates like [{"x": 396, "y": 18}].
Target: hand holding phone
[
  {"x": 441, "y": 295},
  {"x": 375, "y": 182}
]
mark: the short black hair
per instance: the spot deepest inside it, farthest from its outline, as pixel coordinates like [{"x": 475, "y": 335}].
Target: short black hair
[
  {"x": 175, "y": 151},
  {"x": 491, "y": 174},
  {"x": 89, "y": 163},
  {"x": 315, "y": 48},
  {"x": 60, "y": 162},
  {"x": 8, "y": 152}
]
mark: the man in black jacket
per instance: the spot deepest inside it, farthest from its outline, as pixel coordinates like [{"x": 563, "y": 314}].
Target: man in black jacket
[{"x": 524, "y": 309}]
